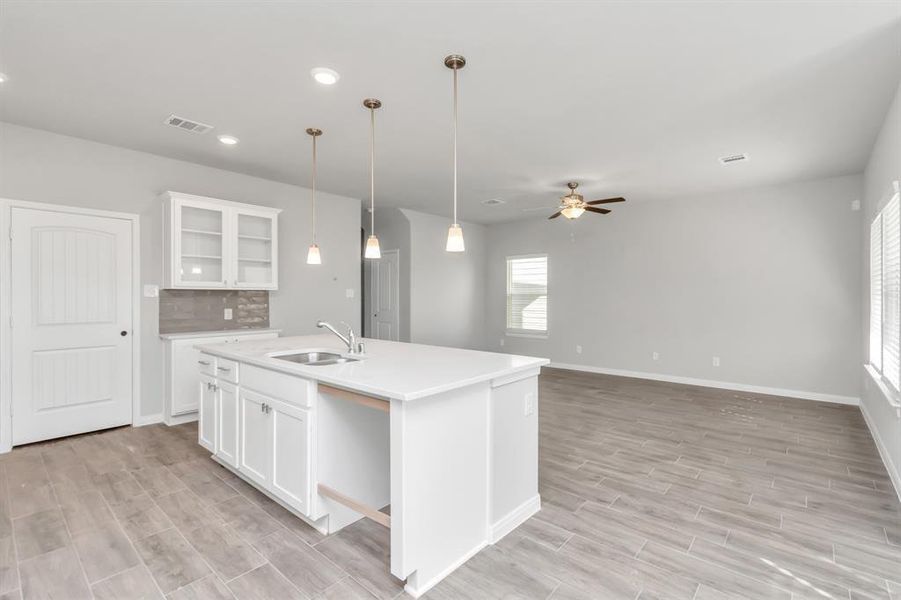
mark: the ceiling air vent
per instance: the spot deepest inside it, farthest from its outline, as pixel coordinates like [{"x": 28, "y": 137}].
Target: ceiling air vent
[
  {"x": 492, "y": 201},
  {"x": 187, "y": 124},
  {"x": 733, "y": 158}
]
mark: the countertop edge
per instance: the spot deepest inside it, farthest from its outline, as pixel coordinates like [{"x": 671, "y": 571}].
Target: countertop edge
[{"x": 336, "y": 381}]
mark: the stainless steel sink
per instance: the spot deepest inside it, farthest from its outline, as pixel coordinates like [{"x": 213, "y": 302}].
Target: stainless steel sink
[{"x": 315, "y": 359}]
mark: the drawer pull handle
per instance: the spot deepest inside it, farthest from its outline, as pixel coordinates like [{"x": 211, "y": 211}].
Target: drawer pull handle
[
  {"x": 224, "y": 369},
  {"x": 205, "y": 363}
]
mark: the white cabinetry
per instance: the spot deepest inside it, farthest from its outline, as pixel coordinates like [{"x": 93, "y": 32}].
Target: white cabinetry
[
  {"x": 227, "y": 423},
  {"x": 275, "y": 447},
  {"x": 217, "y": 244},
  {"x": 184, "y": 364},
  {"x": 206, "y": 427}
]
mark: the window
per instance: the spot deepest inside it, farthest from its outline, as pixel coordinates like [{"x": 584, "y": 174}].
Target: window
[
  {"x": 885, "y": 293},
  {"x": 527, "y": 294}
]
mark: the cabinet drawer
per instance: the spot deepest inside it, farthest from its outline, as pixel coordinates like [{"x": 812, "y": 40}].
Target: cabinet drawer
[
  {"x": 296, "y": 390},
  {"x": 207, "y": 364},
  {"x": 227, "y": 369}
]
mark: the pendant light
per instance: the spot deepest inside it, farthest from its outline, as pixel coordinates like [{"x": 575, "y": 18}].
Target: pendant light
[
  {"x": 455, "y": 232},
  {"x": 372, "y": 244},
  {"x": 313, "y": 257}
]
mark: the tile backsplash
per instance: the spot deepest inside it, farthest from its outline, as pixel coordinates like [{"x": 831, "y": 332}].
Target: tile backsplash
[{"x": 204, "y": 310}]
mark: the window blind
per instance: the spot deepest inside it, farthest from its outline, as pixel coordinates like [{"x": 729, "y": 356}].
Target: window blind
[
  {"x": 891, "y": 292},
  {"x": 527, "y": 293},
  {"x": 876, "y": 293}
]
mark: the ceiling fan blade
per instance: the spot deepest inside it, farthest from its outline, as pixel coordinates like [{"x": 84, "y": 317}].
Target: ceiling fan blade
[
  {"x": 606, "y": 201},
  {"x": 555, "y": 215},
  {"x": 603, "y": 211}
]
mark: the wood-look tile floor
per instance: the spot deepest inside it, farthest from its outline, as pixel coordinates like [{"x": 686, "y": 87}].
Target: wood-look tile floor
[{"x": 649, "y": 490}]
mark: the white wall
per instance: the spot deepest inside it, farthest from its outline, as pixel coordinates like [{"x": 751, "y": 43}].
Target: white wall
[
  {"x": 40, "y": 166},
  {"x": 447, "y": 289},
  {"x": 883, "y": 168},
  {"x": 767, "y": 279}
]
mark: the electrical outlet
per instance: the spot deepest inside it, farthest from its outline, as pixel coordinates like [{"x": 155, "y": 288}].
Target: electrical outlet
[
  {"x": 716, "y": 361},
  {"x": 655, "y": 356},
  {"x": 578, "y": 349},
  {"x": 502, "y": 342},
  {"x": 529, "y": 404},
  {"x": 228, "y": 314}
]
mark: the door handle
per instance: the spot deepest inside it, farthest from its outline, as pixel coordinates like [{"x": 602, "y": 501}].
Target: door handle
[{"x": 123, "y": 333}]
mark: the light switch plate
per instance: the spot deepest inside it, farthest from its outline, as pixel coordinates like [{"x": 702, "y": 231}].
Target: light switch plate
[
  {"x": 228, "y": 314},
  {"x": 350, "y": 293}
]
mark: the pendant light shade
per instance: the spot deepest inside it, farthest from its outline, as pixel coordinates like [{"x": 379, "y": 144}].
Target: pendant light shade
[
  {"x": 372, "y": 248},
  {"x": 372, "y": 244},
  {"x": 455, "y": 232},
  {"x": 455, "y": 239},
  {"x": 313, "y": 256}
]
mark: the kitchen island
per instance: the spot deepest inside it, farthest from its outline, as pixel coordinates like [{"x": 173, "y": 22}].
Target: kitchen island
[{"x": 448, "y": 438}]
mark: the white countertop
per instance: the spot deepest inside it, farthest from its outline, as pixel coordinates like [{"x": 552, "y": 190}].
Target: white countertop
[
  {"x": 388, "y": 369},
  {"x": 187, "y": 335}
]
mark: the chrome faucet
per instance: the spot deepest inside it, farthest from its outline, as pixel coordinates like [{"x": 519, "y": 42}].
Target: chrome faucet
[{"x": 353, "y": 346}]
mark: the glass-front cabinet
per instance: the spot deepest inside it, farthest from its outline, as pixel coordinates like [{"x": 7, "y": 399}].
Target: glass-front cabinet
[{"x": 217, "y": 244}]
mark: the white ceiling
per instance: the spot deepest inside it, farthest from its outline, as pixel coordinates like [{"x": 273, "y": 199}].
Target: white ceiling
[{"x": 635, "y": 99}]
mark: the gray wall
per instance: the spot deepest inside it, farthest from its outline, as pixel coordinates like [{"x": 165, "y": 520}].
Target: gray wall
[
  {"x": 447, "y": 297},
  {"x": 884, "y": 167},
  {"x": 767, "y": 279},
  {"x": 40, "y": 166}
]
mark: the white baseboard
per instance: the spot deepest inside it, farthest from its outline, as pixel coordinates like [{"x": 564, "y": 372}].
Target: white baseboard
[
  {"x": 712, "y": 383},
  {"x": 421, "y": 588},
  {"x": 517, "y": 517},
  {"x": 181, "y": 419},
  {"x": 141, "y": 421},
  {"x": 893, "y": 472}
]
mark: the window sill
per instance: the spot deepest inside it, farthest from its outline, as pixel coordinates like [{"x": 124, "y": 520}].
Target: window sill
[
  {"x": 891, "y": 396},
  {"x": 525, "y": 334}
]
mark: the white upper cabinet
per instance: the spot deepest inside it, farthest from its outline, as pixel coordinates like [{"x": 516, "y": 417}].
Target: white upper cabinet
[{"x": 217, "y": 244}]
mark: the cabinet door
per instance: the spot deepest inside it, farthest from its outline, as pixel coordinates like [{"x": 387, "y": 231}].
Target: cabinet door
[
  {"x": 227, "y": 424},
  {"x": 255, "y": 451},
  {"x": 256, "y": 250},
  {"x": 206, "y": 422},
  {"x": 186, "y": 364},
  {"x": 291, "y": 454},
  {"x": 199, "y": 250}
]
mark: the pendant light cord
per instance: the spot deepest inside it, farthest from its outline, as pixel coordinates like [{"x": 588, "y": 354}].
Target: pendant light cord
[
  {"x": 455, "y": 145},
  {"x": 372, "y": 170},
  {"x": 313, "y": 191}
]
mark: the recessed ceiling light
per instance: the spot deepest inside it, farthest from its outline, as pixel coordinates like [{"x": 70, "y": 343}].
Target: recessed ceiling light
[
  {"x": 228, "y": 140},
  {"x": 325, "y": 76},
  {"x": 2, "y": 78}
]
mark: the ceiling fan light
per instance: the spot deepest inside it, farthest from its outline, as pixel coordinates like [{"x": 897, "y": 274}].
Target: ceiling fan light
[
  {"x": 372, "y": 248},
  {"x": 572, "y": 212},
  {"x": 313, "y": 256},
  {"x": 455, "y": 239}
]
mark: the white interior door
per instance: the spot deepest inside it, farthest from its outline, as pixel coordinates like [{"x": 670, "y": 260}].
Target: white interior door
[
  {"x": 384, "y": 315},
  {"x": 71, "y": 308}
]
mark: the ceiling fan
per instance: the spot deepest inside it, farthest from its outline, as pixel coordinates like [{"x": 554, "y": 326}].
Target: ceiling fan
[{"x": 573, "y": 205}]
